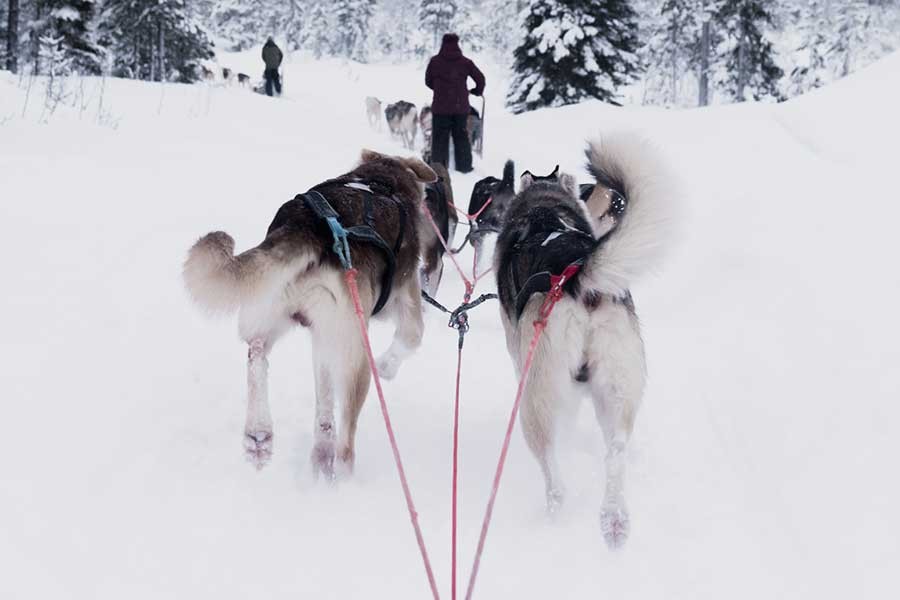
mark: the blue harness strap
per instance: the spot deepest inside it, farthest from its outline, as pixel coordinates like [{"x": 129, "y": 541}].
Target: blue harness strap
[
  {"x": 323, "y": 209},
  {"x": 363, "y": 233}
]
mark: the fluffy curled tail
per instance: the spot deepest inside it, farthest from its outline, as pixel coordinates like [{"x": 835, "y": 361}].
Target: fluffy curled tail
[
  {"x": 216, "y": 279},
  {"x": 635, "y": 247}
]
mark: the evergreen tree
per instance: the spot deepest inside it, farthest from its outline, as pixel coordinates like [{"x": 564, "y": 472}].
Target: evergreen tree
[
  {"x": 158, "y": 40},
  {"x": 811, "y": 70},
  {"x": 293, "y": 23},
  {"x": 673, "y": 49},
  {"x": 318, "y": 33},
  {"x": 574, "y": 50},
  {"x": 71, "y": 24},
  {"x": 243, "y": 23},
  {"x": 436, "y": 17},
  {"x": 748, "y": 55},
  {"x": 352, "y": 18}
]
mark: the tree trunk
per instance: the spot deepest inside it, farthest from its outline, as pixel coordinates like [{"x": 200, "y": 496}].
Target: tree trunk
[
  {"x": 704, "y": 65},
  {"x": 162, "y": 52},
  {"x": 12, "y": 37},
  {"x": 742, "y": 67},
  {"x": 674, "y": 89},
  {"x": 152, "y": 44},
  {"x": 36, "y": 39}
]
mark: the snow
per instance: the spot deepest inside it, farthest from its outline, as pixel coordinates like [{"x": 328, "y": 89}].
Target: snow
[{"x": 764, "y": 459}]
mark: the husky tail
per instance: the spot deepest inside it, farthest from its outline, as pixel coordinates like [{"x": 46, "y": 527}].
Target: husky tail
[
  {"x": 627, "y": 164},
  {"x": 221, "y": 282}
]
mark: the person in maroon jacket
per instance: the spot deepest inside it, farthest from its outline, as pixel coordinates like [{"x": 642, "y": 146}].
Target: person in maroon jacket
[{"x": 447, "y": 74}]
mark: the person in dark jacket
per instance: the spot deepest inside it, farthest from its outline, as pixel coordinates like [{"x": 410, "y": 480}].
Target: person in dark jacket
[
  {"x": 447, "y": 74},
  {"x": 271, "y": 55}
]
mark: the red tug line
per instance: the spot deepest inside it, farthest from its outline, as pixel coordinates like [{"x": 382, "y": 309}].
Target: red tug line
[{"x": 460, "y": 322}]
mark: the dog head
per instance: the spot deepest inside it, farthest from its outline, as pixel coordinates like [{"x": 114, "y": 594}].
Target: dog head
[
  {"x": 564, "y": 180},
  {"x": 499, "y": 191},
  {"x": 421, "y": 172}
]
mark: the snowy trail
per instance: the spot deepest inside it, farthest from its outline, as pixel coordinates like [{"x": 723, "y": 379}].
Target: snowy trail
[{"x": 763, "y": 464}]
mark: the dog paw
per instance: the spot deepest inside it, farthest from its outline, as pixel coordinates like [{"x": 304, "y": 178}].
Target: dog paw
[
  {"x": 258, "y": 447},
  {"x": 323, "y": 460},
  {"x": 346, "y": 460},
  {"x": 554, "y": 501},
  {"x": 388, "y": 365},
  {"x": 615, "y": 525}
]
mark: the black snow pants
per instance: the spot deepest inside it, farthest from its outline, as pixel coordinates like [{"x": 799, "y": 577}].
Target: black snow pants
[
  {"x": 272, "y": 79},
  {"x": 442, "y": 127}
]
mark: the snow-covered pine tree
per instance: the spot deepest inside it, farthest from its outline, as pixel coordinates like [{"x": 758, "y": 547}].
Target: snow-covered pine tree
[
  {"x": 853, "y": 30},
  {"x": 747, "y": 53},
  {"x": 352, "y": 18},
  {"x": 295, "y": 14},
  {"x": 157, "y": 40},
  {"x": 241, "y": 22},
  {"x": 811, "y": 71},
  {"x": 72, "y": 24},
  {"x": 502, "y": 25},
  {"x": 437, "y": 17},
  {"x": 673, "y": 50},
  {"x": 9, "y": 28},
  {"x": 574, "y": 50},
  {"x": 470, "y": 23},
  {"x": 392, "y": 30},
  {"x": 318, "y": 31}
]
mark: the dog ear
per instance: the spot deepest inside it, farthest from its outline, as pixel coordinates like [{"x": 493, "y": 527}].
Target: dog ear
[
  {"x": 525, "y": 181},
  {"x": 423, "y": 172},
  {"x": 568, "y": 183},
  {"x": 555, "y": 172},
  {"x": 370, "y": 155}
]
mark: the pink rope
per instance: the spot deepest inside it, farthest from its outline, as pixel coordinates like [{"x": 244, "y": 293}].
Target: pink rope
[
  {"x": 350, "y": 277},
  {"x": 553, "y": 296},
  {"x": 470, "y": 287},
  {"x": 455, "y": 480}
]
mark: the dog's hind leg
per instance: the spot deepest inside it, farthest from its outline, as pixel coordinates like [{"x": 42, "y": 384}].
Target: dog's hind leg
[
  {"x": 616, "y": 388},
  {"x": 540, "y": 407},
  {"x": 359, "y": 376},
  {"x": 324, "y": 431},
  {"x": 407, "y": 309},
  {"x": 258, "y": 427}
]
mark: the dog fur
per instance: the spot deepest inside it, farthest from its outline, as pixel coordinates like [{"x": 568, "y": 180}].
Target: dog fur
[
  {"x": 402, "y": 119},
  {"x": 491, "y": 218},
  {"x": 592, "y": 344},
  {"x": 439, "y": 200},
  {"x": 425, "y": 123},
  {"x": 243, "y": 79},
  {"x": 373, "y": 112},
  {"x": 293, "y": 278}
]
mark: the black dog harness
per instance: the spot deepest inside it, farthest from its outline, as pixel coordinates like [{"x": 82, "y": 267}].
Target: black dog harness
[{"x": 364, "y": 233}]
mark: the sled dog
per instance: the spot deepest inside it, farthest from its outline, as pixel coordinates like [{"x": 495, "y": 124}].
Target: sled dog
[
  {"x": 402, "y": 118},
  {"x": 373, "y": 112},
  {"x": 294, "y": 279},
  {"x": 439, "y": 200},
  {"x": 501, "y": 193},
  {"x": 243, "y": 79},
  {"x": 592, "y": 344},
  {"x": 425, "y": 123}
]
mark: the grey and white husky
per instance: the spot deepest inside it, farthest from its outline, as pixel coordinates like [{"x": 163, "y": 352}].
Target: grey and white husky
[
  {"x": 592, "y": 344},
  {"x": 294, "y": 279},
  {"x": 402, "y": 120}
]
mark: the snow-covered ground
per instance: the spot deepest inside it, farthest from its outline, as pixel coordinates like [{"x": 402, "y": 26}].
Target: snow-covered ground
[{"x": 764, "y": 463}]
